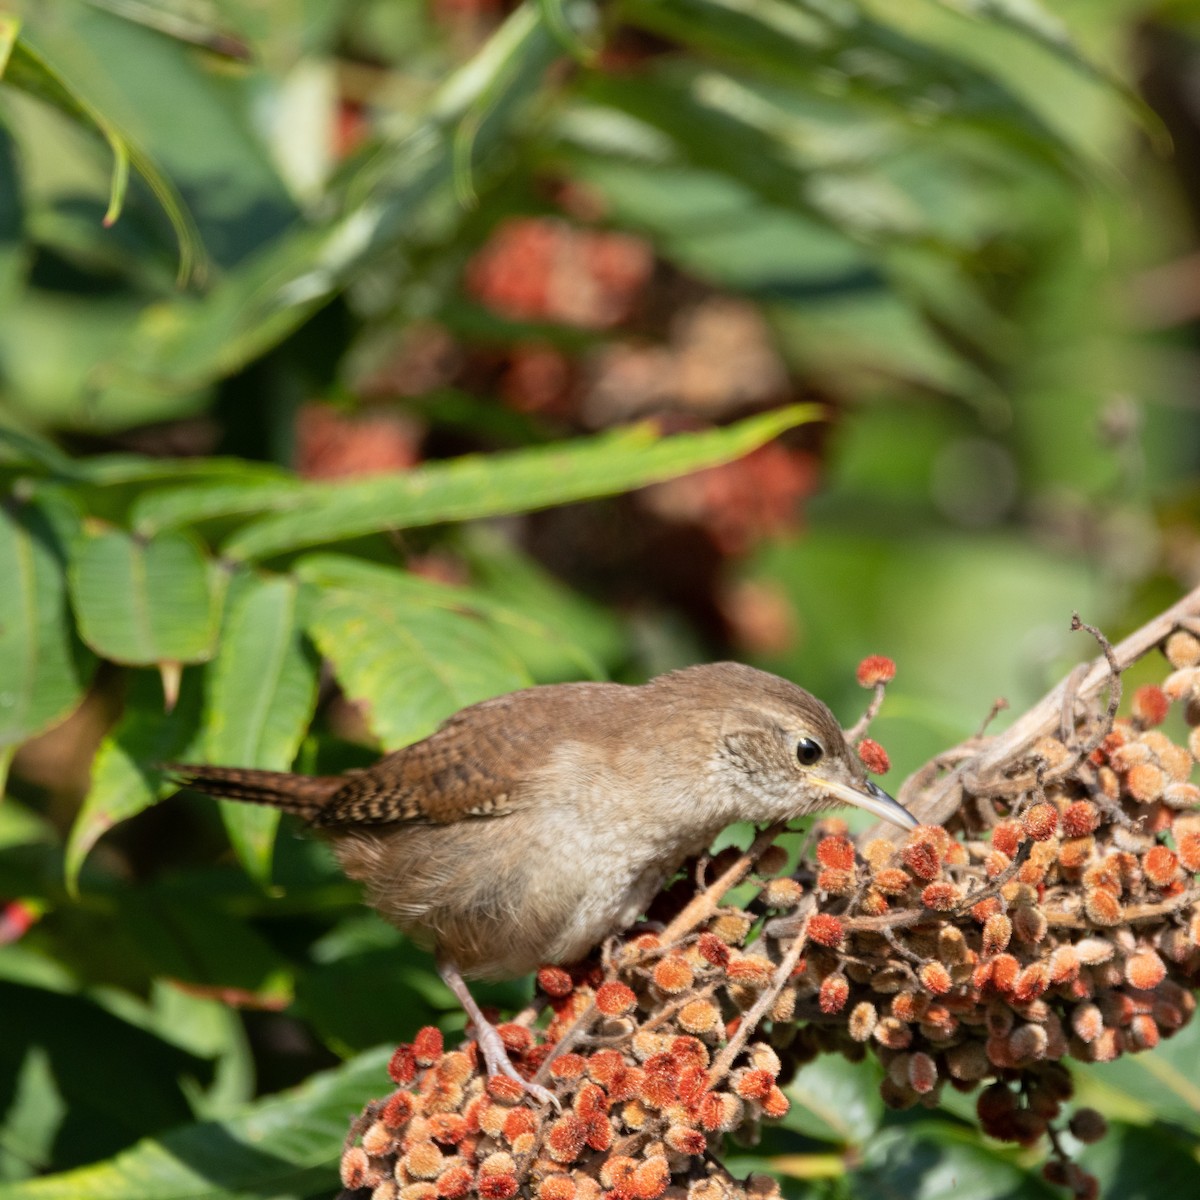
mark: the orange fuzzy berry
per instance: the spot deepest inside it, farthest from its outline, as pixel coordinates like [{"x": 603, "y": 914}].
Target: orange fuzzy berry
[
  {"x": 776, "y": 1104},
  {"x": 1080, "y": 818},
  {"x": 941, "y": 897},
  {"x": 455, "y": 1182},
  {"x": 1075, "y": 852},
  {"x": 1007, "y": 837},
  {"x": 1188, "y": 843},
  {"x": 427, "y": 1046},
  {"x": 935, "y": 978},
  {"x": 1087, "y": 1022},
  {"x": 685, "y": 1140},
  {"x": 1145, "y": 782},
  {"x": 835, "y": 991},
  {"x": 1031, "y": 982},
  {"x": 996, "y": 863},
  {"x": 397, "y": 1111},
  {"x": 554, "y": 981},
  {"x": 835, "y": 881},
  {"x": 1063, "y": 964},
  {"x": 997, "y": 932},
  {"x": 673, "y": 975},
  {"x": 402, "y": 1067},
  {"x": 875, "y": 668},
  {"x": 1150, "y": 705},
  {"x": 504, "y": 1089},
  {"x": 826, "y": 930},
  {"x": 498, "y": 1186},
  {"x": 1102, "y": 906},
  {"x": 922, "y": 1072},
  {"x": 354, "y": 1167},
  {"x": 519, "y": 1121},
  {"x": 1145, "y": 970},
  {"x": 984, "y": 909},
  {"x": 921, "y": 858},
  {"x": 755, "y": 1084},
  {"x": 1040, "y": 821},
  {"x": 1160, "y": 865},
  {"x": 874, "y": 903},
  {"x": 1005, "y": 970},
  {"x": 568, "y": 1066},
  {"x": 614, "y": 999},
  {"x": 874, "y": 757},
  {"x": 836, "y": 852},
  {"x": 892, "y": 881},
  {"x": 713, "y": 949},
  {"x": 557, "y": 1187},
  {"x": 863, "y": 1018},
  {"x": 699, "y": 1016},
  {"x": 566, "y": 1138}
]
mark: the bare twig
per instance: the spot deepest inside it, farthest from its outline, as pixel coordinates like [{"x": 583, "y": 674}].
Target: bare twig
[{"x": 938, "y": 803}]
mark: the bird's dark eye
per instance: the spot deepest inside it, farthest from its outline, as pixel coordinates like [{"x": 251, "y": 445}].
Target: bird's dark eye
[{"x": 808, "y": 752}]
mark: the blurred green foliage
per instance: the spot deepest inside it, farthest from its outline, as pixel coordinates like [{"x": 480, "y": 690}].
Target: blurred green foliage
[{"x": 214, "y": 212}]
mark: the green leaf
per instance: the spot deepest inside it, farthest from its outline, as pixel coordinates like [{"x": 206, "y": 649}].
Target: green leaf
[
  {"x": 78, "y": 1098},
  {"x": 481, "y": 486},
  {"x": 54, "y": 61},
  {"x": 42, "y": 676},
  {"x": 937, "y": 1161},
  {"x": 125, "y": 775},
  {"x": 518, "y": 609},
  {"x": 144, "y": 601},
  {"x": 836, "y": 1101},
  {"x": 261, "y": 695},
  {"x": 874, "y": 68},
  {"x": 413, "y": 665},
  {"x": 287, "y": 1146},
  {"x": 382, "y": 199}
]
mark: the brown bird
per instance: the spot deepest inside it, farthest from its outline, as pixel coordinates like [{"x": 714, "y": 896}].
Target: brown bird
[{"x": 528, "y": 828}]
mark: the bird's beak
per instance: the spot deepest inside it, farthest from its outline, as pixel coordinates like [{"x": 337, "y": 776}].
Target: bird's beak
[{"x": 873, "y": 799}]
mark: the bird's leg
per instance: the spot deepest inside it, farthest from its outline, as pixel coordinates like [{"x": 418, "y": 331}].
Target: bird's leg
[{"x": 487, "y": 1036}]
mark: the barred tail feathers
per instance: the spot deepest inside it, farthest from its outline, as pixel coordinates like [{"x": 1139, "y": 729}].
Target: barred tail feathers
[{"x": 304, "y": 795}]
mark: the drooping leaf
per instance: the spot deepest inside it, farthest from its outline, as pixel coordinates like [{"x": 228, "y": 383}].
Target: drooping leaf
[
  {"x": 126, "y": 777},
  {"x": 45, "y": 63},
  {"x": 142, "y": 601},
  {"x": 517, "y": 481},
  {"x": 255, "y": 307},
  {"x": 260, "y": 699}
]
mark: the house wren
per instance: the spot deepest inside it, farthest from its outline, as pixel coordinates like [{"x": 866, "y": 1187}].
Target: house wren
[{"x": 530, "y": 827}]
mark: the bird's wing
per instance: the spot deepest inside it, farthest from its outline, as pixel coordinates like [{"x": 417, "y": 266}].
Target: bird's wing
[{"x": 480, "y": 763}]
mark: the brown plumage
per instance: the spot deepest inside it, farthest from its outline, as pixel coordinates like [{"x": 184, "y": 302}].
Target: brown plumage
[{"x": 529, "y": 827}]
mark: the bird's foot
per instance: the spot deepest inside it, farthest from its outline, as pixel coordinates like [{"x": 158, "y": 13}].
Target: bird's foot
[
  {"x": 487, "y": 1036},
  {"x": 495, "y": 1057}
]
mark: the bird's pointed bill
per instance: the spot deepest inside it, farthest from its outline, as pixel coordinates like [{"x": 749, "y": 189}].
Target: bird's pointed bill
[{"x": 873, "y": 799}]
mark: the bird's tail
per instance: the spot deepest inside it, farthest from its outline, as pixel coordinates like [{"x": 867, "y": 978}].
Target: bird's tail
[{"x": 304, "y": 795}]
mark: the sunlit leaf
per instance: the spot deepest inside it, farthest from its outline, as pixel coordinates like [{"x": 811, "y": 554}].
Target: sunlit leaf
[
  {"x": 145, "y": 601},
  {"x": 261, "y": 695},
  {"x": 410, "y": 664},
  {"x": 517, "y": 481}
]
